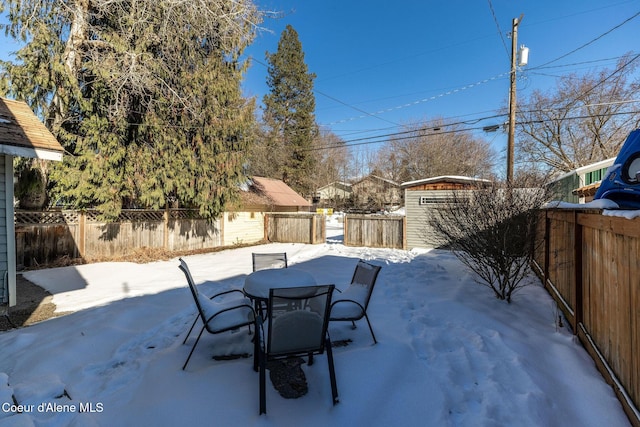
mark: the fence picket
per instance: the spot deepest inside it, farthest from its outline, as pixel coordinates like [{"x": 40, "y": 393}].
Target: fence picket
[{"x": 591, "y": 260}]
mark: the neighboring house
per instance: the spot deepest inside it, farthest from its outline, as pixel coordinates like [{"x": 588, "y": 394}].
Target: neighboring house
[
  {"x": 374, "y": 192},
  {"x": 580, "y": 185},
  {"x": 334, "y": 192},
  {"x": 261, "y": 195},
  {"x": 22, "y": 134},
  {"x": 423, "y": 196},
  {"x": 273, "y": 195}
]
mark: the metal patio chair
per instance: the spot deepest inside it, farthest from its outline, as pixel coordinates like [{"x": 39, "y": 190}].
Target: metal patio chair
[
  {"x": 351, "y": 304},
  {"x": 218, "y": 316},
  {"x": 296, "y": 325}
]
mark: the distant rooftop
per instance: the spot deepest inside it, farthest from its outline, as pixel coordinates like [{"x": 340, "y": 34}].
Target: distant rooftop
[
  {"x": 444, "y": 178},
  {"x": 23, "y": 134},
  {"x": 278, "y": 193}
]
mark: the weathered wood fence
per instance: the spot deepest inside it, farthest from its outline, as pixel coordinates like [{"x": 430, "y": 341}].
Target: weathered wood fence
[
  {"x": 46, "y": 237},
  {"x": 590, "y": 264},
  {"x": 295, "y": 228},
  {"x": 384, "y": 231}
]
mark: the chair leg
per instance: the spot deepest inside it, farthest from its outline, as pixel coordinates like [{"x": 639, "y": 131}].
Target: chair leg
[
  {"x": 256, "y": 350},
  {"x": 193, "y": 348},
  {"x": 190, "y": 329},
  {"x": 332, "y": 372},
  {"x": 263, "y": 388},
  {"x": 370, "y": 329}
]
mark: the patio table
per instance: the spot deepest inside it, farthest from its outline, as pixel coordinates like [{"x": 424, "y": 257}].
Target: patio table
[{"x": 258, "y": 283}]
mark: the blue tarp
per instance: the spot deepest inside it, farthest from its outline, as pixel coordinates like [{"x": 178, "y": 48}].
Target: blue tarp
[{"x": 622, "y": 181}]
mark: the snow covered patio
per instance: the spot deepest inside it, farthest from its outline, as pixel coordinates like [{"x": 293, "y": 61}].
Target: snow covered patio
[{"x": 449, "y": 353}]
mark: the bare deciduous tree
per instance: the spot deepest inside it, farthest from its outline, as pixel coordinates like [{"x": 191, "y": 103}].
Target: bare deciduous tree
[
  {"x": 585, "y": 120},
  {"x": 331, "y": 159},
  {"x": 492, "y": 231},
  {"x": 422, "y": 152}
]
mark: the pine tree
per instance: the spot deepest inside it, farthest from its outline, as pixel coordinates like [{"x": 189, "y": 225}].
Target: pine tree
[
  {"x": 289, "y": 111},
  {"x": 145, "y": 97}
]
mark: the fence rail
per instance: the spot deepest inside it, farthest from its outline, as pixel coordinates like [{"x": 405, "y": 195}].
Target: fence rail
[{"x": 590, "y": 264}]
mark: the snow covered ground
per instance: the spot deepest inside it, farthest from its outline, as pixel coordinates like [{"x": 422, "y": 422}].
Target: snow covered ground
[{"x": 449, "y": 353}]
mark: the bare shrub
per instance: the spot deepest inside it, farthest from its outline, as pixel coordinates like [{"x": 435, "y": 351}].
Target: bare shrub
[{"x": 492, "y": 231}]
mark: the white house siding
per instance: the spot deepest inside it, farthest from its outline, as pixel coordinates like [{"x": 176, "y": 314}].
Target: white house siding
[
  {"x": 334, "y": 191},
  {"x": 243, "y": 227}
]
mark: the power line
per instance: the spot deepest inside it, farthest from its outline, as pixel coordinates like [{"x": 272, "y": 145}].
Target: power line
[
  {"x": 589, "y": 42},
  {"x": 542, "y": 66},
  {"x": 355, "y": 108},
  {"x": 378, "y": 138},
  {"x": 339, "y": 101},
  {"x": 420, "y": 101},
  {"x": 495, "y": 19}
]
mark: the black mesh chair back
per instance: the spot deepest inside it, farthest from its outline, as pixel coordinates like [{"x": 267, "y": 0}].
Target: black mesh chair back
[
  {"x": 217, "y": 317},
  {"x": 366, "y": 275},
  {"x": 296, "y": 325},
  {"x": 352, "y": 304},
  {"x": 269, "y": 260}
]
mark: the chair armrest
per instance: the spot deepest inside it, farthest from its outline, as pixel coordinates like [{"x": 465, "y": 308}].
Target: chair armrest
[{"x": 227, "y": 292}]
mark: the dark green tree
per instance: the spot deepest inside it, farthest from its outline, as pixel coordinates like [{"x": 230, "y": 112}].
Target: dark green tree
[
  {"x": 289, "y": 112},
  {"x": 145, "y": 97}
]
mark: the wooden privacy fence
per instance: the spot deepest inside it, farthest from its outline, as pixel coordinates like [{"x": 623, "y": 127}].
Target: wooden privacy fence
[
  {"x": 384, "y": 231},
  {"x": 590, "y": 264},
  {"x": 46, "y": 237},
  {"x": 295, "y": 228}
]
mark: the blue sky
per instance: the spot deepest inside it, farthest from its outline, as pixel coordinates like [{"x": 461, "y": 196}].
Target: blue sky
[{"x": 382, "y": 64}]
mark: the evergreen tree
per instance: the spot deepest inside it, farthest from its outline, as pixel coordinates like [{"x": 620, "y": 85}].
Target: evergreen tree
[
  {"x": 289, "y": 111},
  {"x": 145, "y": 97}
]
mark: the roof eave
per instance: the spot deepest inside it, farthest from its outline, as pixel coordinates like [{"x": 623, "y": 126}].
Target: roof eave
[{"x": 36, "y": 153}]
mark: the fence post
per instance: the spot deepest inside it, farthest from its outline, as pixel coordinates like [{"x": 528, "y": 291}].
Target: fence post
[
  {"x": 313, "y": 229},
  {"x": 547, "y": 247},
  {"x": 404, "y": 233},
  {"x": 165, "y": 231},
  {"x": 82, "y": 233},
  {"x": 577, "y": 254},
  {"x": 344, "y": 231}
]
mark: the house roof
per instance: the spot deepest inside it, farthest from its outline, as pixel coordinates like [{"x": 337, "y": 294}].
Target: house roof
[
  {"x": 275, "y": 192},
  {"x": 23, "y": 134},
  {"x": 444, "y": 178},
  {"x": 377, "y": 178},
  {"x": 588, "y": 168},
  {"x": 337, "y": 184}
]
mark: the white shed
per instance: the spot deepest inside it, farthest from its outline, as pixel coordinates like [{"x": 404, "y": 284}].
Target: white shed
[
  {"x": 424, "y": 195},
  {"x": 22, "y": 134}
]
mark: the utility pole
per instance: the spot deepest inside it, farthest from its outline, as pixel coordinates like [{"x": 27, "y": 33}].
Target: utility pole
[{"x": 512, "y": 98}]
